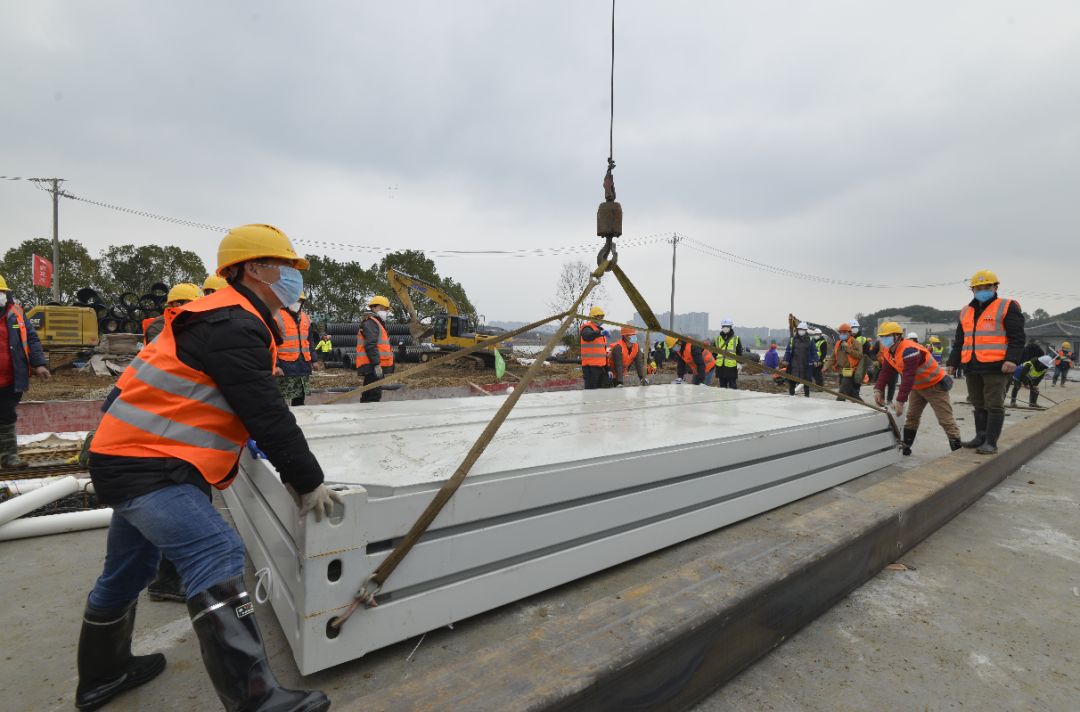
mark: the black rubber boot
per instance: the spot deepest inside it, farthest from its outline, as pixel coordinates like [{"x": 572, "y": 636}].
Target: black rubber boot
[
  {"x": 909, "y": 440},
  {"x": 955, "y": 444},
  {"x": 167, "y": 586},
  {"x": 9, "y": 449},
  {"x": 1012, "y": 401},
  {"x": 106, "y": 665},
  {"x": 224, "y": 619},
  {"x": 980, "y": 429},
  {"x": 1033, "y": 399},
  {"x": 994, "y": 423}
]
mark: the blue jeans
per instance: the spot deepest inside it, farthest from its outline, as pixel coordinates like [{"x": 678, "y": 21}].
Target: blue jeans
[{"x": 178, "y": 521}]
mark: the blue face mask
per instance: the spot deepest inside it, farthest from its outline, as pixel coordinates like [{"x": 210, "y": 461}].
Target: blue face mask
[
  {"x": 984, "y": 295},
  {"x": 632, "y": 339},
  {"x": 290, "y": 285},
  {"x": 888, "y": 341}
]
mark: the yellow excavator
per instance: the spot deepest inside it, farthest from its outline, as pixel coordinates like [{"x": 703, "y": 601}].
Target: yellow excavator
[{"x": 450, "y": 330}]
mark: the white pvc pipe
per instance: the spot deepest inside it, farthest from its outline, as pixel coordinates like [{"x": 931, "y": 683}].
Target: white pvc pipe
[
  {"x": 28, "y": 485},
  {"x": 56, "y": 524},
  {"x": 24, "y": 504}
]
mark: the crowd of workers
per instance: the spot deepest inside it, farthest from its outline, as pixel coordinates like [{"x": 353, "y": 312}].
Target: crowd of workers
[{"x": 224, "y": 363}]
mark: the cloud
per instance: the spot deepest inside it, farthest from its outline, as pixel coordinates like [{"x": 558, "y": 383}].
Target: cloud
[{"x": 901, "y": 144}]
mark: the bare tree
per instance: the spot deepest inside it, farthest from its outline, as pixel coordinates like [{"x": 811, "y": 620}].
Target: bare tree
[{"x": 573, "y": 278}]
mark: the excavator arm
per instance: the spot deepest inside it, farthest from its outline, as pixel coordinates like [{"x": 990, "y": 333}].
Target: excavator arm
[{"x": 403, "y": 283}]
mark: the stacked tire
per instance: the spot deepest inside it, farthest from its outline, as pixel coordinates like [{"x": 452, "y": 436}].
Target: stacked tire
[
  {"x": 124, "y": 313},
  {"x": 343, "y": 340}
]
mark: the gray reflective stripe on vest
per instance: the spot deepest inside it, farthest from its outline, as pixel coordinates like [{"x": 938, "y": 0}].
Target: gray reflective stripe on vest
[
  {"x": 163, "y": 427},
  {"x": 177, "y": 386}
]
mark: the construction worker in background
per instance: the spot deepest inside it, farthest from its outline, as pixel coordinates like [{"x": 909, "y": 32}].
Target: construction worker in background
[
  {"x": 624, "y": 352},
  {"x": 821, "y": 346},
  {"x": 867, "y": 346},
  {"x": 1030, "y": 375},
  {"x": 374, "y": 357},
  {"x": 294, "y": 362},
  {"x": 692, "y": 358},
  {"x": 800, "y": 358},
  {"x": 1064, "y": 361},
  {"x": 212, "y": 283},
  {"x": 594, "y": 351},
  {"x": 772, "y": 357},
  {"x": 323, "y": 348},
  {"x": 936, "y": 348},
  {"x": 727, "y": 368},
  {"x": 21, "y": 356},
  {"x": 848, "y": 361},
  {"x": 988, "y": 344},
  {"x": 912, "y": 336},
  {"x": 923, "y": 381},
  {"x": 178, "y": 296},
  {"x": 185, "y": 409}
]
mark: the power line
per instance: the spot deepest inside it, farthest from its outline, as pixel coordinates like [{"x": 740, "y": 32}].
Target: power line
[{"x": 145, "y": 214}]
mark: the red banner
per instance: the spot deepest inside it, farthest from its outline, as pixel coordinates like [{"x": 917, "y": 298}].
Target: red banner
[{"x": 42, "y": 272}]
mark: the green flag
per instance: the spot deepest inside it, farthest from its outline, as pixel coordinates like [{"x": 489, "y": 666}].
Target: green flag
[
  {"x": 757, "y": 339},
  {"x": 500, "y": 364}
]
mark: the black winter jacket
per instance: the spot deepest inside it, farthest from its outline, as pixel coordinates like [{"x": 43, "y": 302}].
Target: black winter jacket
[{"x": 233, "y": 348}]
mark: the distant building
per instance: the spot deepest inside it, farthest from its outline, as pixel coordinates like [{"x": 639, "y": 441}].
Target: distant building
[
  {"x": 923, "y": 328},
  {"x": 694, "y": 324}
]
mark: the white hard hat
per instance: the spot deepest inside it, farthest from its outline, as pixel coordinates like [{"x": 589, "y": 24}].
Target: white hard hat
[
  {"x": 816, "y": 331},
  {"x": 1047, "y": 361},
  {"x": 727, "y": 322},
  {"x": 854, "y": 323},
  {"x": 913, "y": 335},
  {"x": 802, "y": 325}
]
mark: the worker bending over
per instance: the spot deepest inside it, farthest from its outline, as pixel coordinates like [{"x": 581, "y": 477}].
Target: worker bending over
[
  {"x": 21, "y": 356},
  {"x": 374, "y": 357},
  {"x": 624, "y": 352},
  {"x": 178, "y": 296},
  {"x": 294, "y": 363},
  {"x": 727, "y": 368},
  {"x": 1030, "y": 375},
  {"x": 692, "y": 358},
  {"x": 988, "y": 344},
  {"x": 185, "y": 408},
  {"x": 594, "y": 357},
  {"x": 922, "y": 380}
]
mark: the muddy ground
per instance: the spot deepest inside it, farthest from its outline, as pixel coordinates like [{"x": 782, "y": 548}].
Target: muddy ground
[{"x": 70, "y": 384}]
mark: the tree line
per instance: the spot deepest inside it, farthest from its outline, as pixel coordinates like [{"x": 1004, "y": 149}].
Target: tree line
[{"x": 336, "y": 290}]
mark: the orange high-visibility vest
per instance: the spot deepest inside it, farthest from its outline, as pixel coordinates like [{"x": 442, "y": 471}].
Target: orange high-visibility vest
[
  {"x": 386, "y": 354},
  {"x": 295, "y": 341},
  {"x": 629, "y": 354},
  {"x": 853, "y": 361},
  {"x": 687, "y": 355},
  {"x": 168, "y": 409},
  {"x": 593, "y": 353},
  {"x": 930, "y": 373},
  {"x": 20, "y": 325},
  {"x": 985, "y": 339}
]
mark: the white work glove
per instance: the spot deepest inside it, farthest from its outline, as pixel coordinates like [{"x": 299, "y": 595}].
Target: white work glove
[
  {"x": 879, "y": 397},
  {"x": 377, "y": 371},
  {"x": 319, "y": 500},
  {"x": 677, "y": 381},
  {"x": 898, "y": 408}
]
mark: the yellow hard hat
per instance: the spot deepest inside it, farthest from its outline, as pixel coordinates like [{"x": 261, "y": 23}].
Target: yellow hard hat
[
  {"x": 249, "y": 242},
  {"x": 889, "y": 327},
  {"x": 1064, "y": 344},
  {"x": 935, "y": 340},
  {"x": 378, "y": 301},
  {"x": 983, "y": 278},
  {"x": 214, "y": 282},
  {"x": 670, "y": 341},
  {"x": 596, "y": 311},
  {"x": 3, "y": 285},
  {"x": 185, "y": 291}
]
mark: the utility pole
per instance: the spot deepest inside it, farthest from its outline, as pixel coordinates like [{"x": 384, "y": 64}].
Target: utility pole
[
  {"x": 671, "y": 314},
  {"x": 56, "y": 239}
]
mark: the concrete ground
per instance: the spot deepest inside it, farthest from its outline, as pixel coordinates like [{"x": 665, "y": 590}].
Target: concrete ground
[{"x": 985, "y": 618}]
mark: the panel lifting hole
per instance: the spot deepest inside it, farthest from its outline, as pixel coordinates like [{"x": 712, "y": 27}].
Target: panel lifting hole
[{"x": 333, "y": 570}]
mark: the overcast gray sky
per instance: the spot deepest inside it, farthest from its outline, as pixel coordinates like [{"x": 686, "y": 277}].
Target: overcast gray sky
[{"x": 899, "y": 143}]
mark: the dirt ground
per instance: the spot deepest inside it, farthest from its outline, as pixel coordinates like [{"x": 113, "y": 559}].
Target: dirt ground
[{"x": 70, "y": 384}]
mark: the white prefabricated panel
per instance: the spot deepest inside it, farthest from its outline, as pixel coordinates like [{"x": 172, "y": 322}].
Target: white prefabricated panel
[{"x": 573, "y": 483}]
